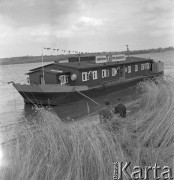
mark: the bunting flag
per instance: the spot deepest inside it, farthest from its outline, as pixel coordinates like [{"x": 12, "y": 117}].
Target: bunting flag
[
  {"x": 68, "y": 51},
  {"x": 47, "y": 48}
]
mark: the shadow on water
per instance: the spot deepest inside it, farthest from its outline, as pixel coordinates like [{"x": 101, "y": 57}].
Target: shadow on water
[{"x": 76, "y": 110}]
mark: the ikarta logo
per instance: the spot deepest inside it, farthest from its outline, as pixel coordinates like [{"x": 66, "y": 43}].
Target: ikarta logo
[{"x": 125, "y": 170}]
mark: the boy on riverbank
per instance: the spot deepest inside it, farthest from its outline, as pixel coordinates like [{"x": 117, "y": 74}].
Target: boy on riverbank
[
  {"x": 120, "y": 109},
  {"x": 106, "y": 114}
]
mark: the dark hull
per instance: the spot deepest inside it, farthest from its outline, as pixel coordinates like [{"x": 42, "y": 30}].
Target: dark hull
[
  {"x": 78, "y": 109},
  {"x": 60, "y": 98}
]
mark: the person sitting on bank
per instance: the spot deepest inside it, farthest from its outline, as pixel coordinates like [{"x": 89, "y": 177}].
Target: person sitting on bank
[
  {"x": 106, "y": 113},
  {"x": 120, "y": 109}
]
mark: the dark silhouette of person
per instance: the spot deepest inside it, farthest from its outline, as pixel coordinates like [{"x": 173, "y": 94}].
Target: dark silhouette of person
[
  {"x": 107, "y": 102},
  {"x": 106, "y": 113},
  {"x": 120, "y": 109}
]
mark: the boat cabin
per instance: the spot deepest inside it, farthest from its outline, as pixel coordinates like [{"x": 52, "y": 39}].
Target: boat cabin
[{"x": 91, "y": 70}]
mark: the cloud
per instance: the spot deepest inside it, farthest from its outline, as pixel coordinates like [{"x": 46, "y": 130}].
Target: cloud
[
  {"x": 89, "y": 21},
  {"x": 47, "y": 32},
  {"x": 92, "y": 24},
  {"x": 158, "y": 7},
  {"x": 34, "y": 12},
  {"x": 158, "y": 13},
  {"x": 84, "y": 26}
]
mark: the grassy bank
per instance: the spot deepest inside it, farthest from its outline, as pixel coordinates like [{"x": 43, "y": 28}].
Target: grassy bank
[{"x": 47, "y": 148}]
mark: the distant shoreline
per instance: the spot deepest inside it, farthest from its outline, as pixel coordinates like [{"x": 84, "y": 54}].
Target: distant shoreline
[{"x": 36, "y": 59}]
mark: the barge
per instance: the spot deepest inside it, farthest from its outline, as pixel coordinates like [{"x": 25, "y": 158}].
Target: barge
[{"x": 86, "y": 77}]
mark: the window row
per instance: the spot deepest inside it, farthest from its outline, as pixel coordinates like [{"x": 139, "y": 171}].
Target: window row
[
  {"x": 105, "y": 72},
  {"x": 143, "y": 66},
  {"x": 93, "y": 74},
  {"x": 86, "y": 75},
  {"x": 128, "y": 69}
]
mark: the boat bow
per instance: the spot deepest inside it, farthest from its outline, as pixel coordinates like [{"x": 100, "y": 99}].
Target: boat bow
[{"x": 48, "y": 88}]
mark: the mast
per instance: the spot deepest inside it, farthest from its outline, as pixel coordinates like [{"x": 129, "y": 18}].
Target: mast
[
  {"x": 79, "y": 58},
  {"x": 127, "y": 50},
  {"x": 43, "y": 67}
]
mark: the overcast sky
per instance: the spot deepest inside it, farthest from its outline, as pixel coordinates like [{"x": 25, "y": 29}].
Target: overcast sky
[{"x": 84, "y": 25}]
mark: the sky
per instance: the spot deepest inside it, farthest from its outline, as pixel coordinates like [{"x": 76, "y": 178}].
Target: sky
[{"x": 84, "y": 25}]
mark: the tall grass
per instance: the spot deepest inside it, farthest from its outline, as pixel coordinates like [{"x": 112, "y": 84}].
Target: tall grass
[{"x": 47, "y": 148}]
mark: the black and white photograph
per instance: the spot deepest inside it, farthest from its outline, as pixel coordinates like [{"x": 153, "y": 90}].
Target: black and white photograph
[{"x": 86, "y": 89}]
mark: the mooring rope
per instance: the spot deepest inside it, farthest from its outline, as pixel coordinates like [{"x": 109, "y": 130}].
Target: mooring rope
[
  {"x": 11, "y": 82},
  {"x": 88, "y": 98}
]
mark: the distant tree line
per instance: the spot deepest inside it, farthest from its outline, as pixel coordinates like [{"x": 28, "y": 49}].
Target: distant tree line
[
  {"x": 170, "y": 48},
  {"x": 51, "y": 58}
]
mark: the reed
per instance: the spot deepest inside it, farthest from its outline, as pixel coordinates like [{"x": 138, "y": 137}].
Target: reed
[{"x": 47, "y": 148}]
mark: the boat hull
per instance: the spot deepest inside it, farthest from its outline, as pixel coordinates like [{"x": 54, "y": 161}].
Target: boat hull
[{"x": 42, "y": 96}]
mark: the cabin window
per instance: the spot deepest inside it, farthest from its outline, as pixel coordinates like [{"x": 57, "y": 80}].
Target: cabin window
[
  {"x": 94, "y": 74},
  {"x": 136, "y": 68},
  {"x": 105, "y": 73},
  {"x": 129, "y": 69},
  {"x": 142, "y": 66},
  {"x": 114, "y": 72},
  {"x": 63, "y": 79},
  {"x": 147, "y": 65},
  {"x": 125, "y": 69},
  {"x": 85, "y": 76}
]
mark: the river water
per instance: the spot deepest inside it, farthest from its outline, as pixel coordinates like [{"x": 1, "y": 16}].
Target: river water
[{"x": 12, "y": 108}]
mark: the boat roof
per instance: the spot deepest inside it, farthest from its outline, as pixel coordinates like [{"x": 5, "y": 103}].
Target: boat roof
[
  {"x": 52, "y": 71},
  {"x": 90, "y": 64},
  {"x": 38, "y": 68}
]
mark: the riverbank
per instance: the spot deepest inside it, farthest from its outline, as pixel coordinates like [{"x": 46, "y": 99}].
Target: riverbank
[{"x": 47, "y": 148}]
